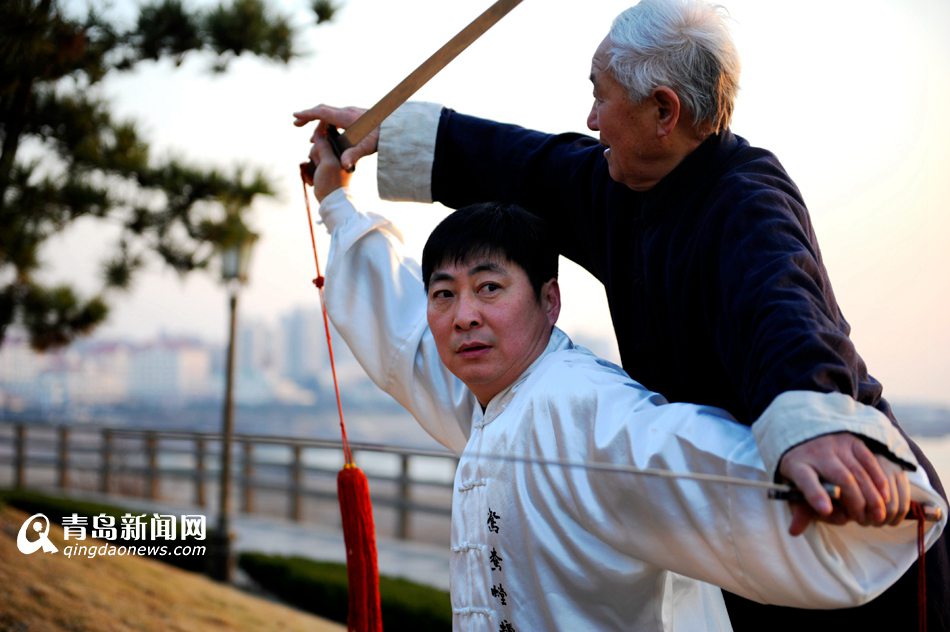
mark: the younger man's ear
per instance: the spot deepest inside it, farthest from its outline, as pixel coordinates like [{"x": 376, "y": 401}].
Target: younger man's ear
[{"x": 551, "y": 300}]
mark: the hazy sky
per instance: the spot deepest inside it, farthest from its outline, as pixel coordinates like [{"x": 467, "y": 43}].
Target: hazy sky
[{"x": 851, "y": 95}]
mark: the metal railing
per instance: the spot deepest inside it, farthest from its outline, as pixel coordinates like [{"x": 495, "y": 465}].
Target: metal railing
[{"x": 408, "y": 486}]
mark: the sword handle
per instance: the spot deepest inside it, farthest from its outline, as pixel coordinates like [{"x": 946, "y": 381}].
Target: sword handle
[
  {"x": 793, "y": 494},
  {"x": 339, "y": 143},
  {"x": 928, "y": 513}
]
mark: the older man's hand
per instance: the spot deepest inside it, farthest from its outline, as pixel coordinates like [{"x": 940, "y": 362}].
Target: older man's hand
[
  {"x": 340, "y": 118},
  {"x": 874, "y": 490}
]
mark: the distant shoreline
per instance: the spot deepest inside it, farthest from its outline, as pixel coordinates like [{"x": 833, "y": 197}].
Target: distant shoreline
[{"x": 937, "y": 449}]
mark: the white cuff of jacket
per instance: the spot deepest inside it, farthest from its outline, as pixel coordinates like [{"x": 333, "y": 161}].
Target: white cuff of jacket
[
  {"x": 333, "y": 214},
  {"x": 795, "y": 417},
  {"x": 407, "y": 151}
]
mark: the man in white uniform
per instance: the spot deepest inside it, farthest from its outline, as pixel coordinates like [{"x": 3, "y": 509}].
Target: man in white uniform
[{"x": 468, "y": 345}]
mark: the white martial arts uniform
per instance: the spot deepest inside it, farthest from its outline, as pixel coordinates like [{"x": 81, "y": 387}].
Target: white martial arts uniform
[{"x": 538, "y": 546}]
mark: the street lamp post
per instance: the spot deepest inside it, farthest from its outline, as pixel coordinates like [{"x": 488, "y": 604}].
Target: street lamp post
[{"x": 235, "y": 261}]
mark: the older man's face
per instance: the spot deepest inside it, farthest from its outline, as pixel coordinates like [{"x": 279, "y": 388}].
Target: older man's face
[{"x": 628, "y": 130}]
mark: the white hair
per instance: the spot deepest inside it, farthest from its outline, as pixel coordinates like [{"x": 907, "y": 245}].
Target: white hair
[{"x": 684, "y": 45}]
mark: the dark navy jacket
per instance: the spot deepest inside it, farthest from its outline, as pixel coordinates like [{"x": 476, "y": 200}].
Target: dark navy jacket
[{"x": 715, "y": 282}]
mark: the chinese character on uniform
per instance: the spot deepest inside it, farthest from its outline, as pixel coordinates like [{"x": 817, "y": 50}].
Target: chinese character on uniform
[
  {"x": 493, "y": 519},
  {"x": 495, "y": 560},
  {"x": 498, "y": 592}
]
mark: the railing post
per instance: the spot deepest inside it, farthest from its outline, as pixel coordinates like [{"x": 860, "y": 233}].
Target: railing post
[
  {"x": 105, "y": 462},
  {"x": 247, "y": 474},
  {"x": 151, "y": 454},
  {"x": 20, "y": 458},
  {"x": 62, "y": 462},
  {"x": 296, "y": 477},
  {"x": 200, "y": 470},
  {"x": 402, "y": 524}
]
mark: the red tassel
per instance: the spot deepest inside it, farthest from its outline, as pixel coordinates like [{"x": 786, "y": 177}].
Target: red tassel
[{"x": 359, "y": 534}]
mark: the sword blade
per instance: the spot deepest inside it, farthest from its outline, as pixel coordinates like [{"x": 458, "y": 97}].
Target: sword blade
[
  {"x": 373, "y": 117},
  {"x": 776, "y": 491}
]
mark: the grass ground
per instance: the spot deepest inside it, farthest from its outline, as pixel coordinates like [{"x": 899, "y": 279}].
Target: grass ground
[{"x": 49, "y": 592}]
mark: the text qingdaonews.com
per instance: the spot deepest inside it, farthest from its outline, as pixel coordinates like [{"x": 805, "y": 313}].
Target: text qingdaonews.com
[{"x": 91, "y": 551}]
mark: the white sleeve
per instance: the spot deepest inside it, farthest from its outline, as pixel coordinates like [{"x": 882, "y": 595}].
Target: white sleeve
[
  {"x": 798, "y": 416},
  {"x": 375, "y": 299},
  {"x": 724, "y": 534},
  {"x": 407, "y": 152}
]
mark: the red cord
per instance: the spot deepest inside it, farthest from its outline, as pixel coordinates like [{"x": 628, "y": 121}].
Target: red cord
[
  {"x": 359, "y": 531},
  {"x": 318, "y": 281},
  {"x": 917, "y": 513}
]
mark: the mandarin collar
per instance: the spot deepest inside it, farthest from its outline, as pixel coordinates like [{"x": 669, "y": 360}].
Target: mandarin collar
[{"x": 558, "y": 341}]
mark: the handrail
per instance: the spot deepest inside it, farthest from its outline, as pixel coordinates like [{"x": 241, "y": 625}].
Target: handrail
[{"x": 145, "y": 462}]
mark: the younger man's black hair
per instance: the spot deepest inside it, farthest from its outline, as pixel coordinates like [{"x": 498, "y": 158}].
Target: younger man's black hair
[{"x": 493, "y": 229}]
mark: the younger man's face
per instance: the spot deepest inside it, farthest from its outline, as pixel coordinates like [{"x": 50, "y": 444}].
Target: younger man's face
[{"x": 487, "y": 322}]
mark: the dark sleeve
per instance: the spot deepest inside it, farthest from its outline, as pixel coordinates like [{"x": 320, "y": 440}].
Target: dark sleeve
[
  {"x": 553, "y": 176},
  {"x": 778, "y": 324}
]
